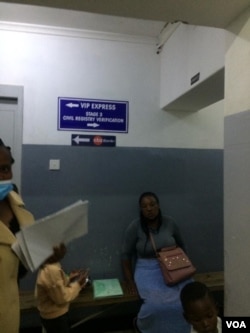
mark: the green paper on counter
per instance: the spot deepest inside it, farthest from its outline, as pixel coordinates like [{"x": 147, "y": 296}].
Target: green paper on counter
[{"x": 107, "y": 288}]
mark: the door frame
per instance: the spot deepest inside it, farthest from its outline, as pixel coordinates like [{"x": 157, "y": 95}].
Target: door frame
[{"x": 11, "y": 98}]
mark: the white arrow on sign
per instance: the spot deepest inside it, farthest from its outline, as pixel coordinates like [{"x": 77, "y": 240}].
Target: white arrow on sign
[
  {"x": 77, "y": 139},
  {"x": 72, "y": 105},
  {"x": 93, "y": 125}
]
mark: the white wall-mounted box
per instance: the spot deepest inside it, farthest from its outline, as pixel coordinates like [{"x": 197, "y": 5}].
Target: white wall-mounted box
[{"x": 192, "y": 68}]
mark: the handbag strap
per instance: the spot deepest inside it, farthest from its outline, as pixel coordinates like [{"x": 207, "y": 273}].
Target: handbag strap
[{"x": 153, "y": 243}]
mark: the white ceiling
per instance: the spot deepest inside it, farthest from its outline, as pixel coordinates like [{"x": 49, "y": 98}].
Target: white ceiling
[{"x": 216, "y": 13}]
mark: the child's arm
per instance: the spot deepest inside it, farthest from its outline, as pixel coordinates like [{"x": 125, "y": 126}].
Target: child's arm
[
  {"x": 55, "y": 282},
  {"x": 81, "y": 276}
]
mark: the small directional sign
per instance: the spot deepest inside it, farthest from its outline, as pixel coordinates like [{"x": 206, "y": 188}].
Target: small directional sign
[
  {"x": 93, "y": 140},
  {"x": 92, "y": 115}
]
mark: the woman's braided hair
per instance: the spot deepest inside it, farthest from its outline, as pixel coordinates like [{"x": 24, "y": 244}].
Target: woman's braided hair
[{"x": 143, "y": 220}]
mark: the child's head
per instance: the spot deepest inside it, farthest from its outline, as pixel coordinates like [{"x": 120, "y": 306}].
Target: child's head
[{"x": 199, "y": 307}]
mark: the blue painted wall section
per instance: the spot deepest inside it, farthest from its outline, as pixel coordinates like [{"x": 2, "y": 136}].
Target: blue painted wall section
[{"x": 189, "y": 183}]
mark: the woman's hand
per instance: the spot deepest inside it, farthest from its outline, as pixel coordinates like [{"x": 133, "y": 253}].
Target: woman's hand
[{"x": 59, "y": 252}]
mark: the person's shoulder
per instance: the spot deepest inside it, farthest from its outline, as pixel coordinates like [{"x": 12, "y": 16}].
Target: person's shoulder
[
  {"x": 169, "y": 223},
  {"x": 193, "y": 330},
  {"x": 219, "y": 325},
  {"x": 49, "y": 275},
  {"x": 15, "y": 198},
  {"x": 168, "y": 219},
  {"x": 133, "y": 226},
  {"x": 135, "y": 221},
  {"x": 54, "y": 267}
]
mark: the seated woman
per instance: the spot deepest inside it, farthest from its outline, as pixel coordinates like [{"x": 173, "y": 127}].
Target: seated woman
[{"x": 161, "y": 311}]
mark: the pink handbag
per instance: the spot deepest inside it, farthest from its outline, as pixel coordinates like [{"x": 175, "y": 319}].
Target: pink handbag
[{"x": 174, "y": 263}]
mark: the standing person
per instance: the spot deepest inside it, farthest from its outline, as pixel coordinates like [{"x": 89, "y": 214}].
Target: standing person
[
  {"x": 161, "y": 310},
  {"x": 54, "y": 292},
  {"x": 199, "y": 308},
  {"x": 13, "y": 216}
]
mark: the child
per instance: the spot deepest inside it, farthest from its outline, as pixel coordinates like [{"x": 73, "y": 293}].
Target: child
[
  {"x": 54, "y": 292},
  {"x": 200, "y": 309}
]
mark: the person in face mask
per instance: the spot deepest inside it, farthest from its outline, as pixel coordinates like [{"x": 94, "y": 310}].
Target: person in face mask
[{"x": 13, "y": 216}]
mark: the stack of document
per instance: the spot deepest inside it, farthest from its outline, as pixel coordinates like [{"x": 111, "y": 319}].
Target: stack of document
[
  {"x": 107, "y": 288},
  {"x": 35, "y": 243}
]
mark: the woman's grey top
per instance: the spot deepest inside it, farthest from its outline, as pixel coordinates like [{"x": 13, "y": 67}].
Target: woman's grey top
[{"x": 137, "y": 243}]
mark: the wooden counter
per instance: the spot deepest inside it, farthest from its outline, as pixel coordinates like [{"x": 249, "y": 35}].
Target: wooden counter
[
  {"x": 214, "y": 280},
  {"x": 85, "y": 302},
  {"x": 84, "y": 299}
]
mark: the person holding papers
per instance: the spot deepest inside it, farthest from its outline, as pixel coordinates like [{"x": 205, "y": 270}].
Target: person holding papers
[
  {"x": 54, "y": 292},
  {"x": 13, "y": 216}
]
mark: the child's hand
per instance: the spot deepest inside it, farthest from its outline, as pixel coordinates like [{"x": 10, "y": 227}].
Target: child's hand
[
  {"x": 83, "y": 278},
  {"x": 80, "y": 276},
  {"x": 74, "y": 276}
]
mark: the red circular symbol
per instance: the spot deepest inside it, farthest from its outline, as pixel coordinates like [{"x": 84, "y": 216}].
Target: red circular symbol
[{"x": 97, "y": 140}]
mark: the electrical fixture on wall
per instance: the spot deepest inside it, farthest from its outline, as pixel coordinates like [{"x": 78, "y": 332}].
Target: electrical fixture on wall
[{"x": 54, "y": 164}]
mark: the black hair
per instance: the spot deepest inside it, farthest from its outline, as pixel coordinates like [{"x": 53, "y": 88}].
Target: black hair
[
  {"x": 9, "y": 150},
  {"x": 192, "y": 292},
  {"x": 148, "y": 194},
  {"x": 143, "y": 220}
]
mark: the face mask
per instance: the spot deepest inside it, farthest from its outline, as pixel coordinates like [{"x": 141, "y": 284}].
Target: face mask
[{"x": 5, "y": 187}]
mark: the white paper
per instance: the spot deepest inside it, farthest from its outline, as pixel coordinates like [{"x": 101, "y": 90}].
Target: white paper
[
  {"x": 20, "y": 253},
  {"x": 35, "y": 243}
]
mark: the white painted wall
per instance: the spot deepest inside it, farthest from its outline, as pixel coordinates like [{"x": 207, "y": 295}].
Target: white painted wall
[
  {"x": 238, "y": 66},
  {"x": 237, "y": 169},
  {"x": 72, "y": 62}
]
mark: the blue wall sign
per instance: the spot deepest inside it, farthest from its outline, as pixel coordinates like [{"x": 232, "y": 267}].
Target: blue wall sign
[
  {"x": 93, "y": 140},
  {"x": 92, "y": 115}
]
